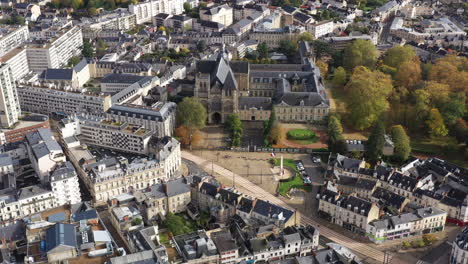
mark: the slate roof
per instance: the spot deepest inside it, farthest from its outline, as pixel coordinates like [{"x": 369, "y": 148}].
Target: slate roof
[
  {"x": 210, "y": 24},
  {"x": 267, "y": 209},
  {"x": 209, "y": 189},
  {"x": 239, "y": 66},
  {"x": 162, "y": 15},
  {"x": 60, "y": 235},
  {"x": 363, "y": 206},
  {"x": 223, "y": 241},
  {"x": 57, "y": 74},
  {"x": 64, "y": 172},
  {"x": 388, "y": 198},
  {"x": 245, "y": 205},
  {"x": 247, "y": 102},
  {"x": 42, "y": 142},
  {"x": 357, "y": 182},
  {"x": 303, "y": 18},
  {"x": 462, "y": 239},
  {"x": 122, "y": 78},
  {"x": 81, "y": 65},
  {"x": 176, "y": 187},
  {"x": 347, "y": 163},
  {"x": 31, "y": 191},
  {"x": 407, "y": 183},
  {"x": 289, "y": 9},
  {"x": 14, "y": 231},
  {"x": 228, "y": 196}
]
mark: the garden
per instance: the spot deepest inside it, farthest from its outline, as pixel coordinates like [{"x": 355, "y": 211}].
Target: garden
[
  {"x": 294, "y": 182},
  {"x": 302, "y": 136}
]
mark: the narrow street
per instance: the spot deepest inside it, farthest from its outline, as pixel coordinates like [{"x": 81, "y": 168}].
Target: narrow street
[{"x": 369, "y": 254}]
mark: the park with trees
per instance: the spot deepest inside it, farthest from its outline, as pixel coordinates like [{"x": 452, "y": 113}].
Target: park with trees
[{"x": 421, "y": 105}]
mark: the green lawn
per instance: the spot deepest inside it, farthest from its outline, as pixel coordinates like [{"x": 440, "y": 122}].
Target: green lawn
[
  {"x": 294, "y": 182},
  {"x": 177, "y": 224},
  {"x": 443, "y": 147},
  {"x": 301, "y": 134}
]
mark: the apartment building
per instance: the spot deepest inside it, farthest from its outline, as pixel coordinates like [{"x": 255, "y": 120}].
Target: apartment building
[
  {"x": 146, "y": 10},
  {"x": 44, "y": 100},
  {"x": 350, "y": 212},
  {"x": 12, "y": 37},
  {"x": 320, "y": 29},
  {"x": 162, "y": 198},
  {"x": 160, "y": 117},
  {"x": 17, "y": 59},
  {"x": 55, "y": 53},
  {"x": 222, "y": 14},
  {"x": 44, "y": 152},
  {"x": 421, "y": 221},
  {"x": 65, "y": 186},
  {"x": 35, "y": 199},
  {"x": 10, "y": 110},
  {"x": 116, "y": 135},
  {"x": 116, "y": 21},
  {"x": 342, "y": 165},
  {"x": 273, "y": 37},
  {"x": 363, "y": 188}
]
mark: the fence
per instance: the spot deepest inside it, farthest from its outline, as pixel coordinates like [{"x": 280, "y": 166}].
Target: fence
[{"x": 269, "y": 150}]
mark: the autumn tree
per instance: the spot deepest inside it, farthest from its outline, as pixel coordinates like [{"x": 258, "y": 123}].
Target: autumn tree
[
  {"x": 397, "y": 55},
  {"x": 192, "y": 115},
  {"x": 408, "y": 74},
  {"x": 323, "y": 66},
  {"x": 188, "y": 137},
  {"x": 401, "y": 143},
  {"x": 368, "y": 92},
  {"x": 435, "y": 124},
  {"x": 375, "y": 142},
  {"x": 306, "y": 36},
  {"x": 421, "y": 105},
  {"x": 276, "y": 133},
  {"x": 438, "y": 92},
  {"x": 451, "y": 70},
  {"x": 360, "y": 53},
  {"x": 339, "y": 77},
  {"x": 460, "y": 131}
]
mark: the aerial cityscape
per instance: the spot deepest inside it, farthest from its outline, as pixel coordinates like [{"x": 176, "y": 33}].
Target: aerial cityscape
[{"x": 234, "y": 131}]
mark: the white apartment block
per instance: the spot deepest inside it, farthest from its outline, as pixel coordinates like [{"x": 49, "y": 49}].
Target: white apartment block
[
  {"x": 10, "y": 109},
  {"x": 113, "y": 21},
  {"x": 107, "y": 133},
  {"x": 146, "y": 10},
  {"x": 10, "y": 207},
  {"x": 222, "y": 14},
  {"x": 320, "y": 29},
  {"x": 65, "y": 186},
  {"x": 35, "y": 199},
  {"x": 422, "y": 221},
  {"x": 18, "y": 61},
  {"x": 55, "y": 53},
  {"x": 12, "y": 37},
  {"x": 43, "y": 100},
  {"x": 160, "y": 117}
]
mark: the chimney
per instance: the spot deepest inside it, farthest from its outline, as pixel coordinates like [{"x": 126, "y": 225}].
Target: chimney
[{"x": 166, "y": 188}]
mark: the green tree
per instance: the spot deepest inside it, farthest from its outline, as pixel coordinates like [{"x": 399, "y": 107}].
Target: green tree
[
  {"x": 360, "y": 53},
  {"x": 453, "y": 108},
  {"x": 401, "y": 142},
  {"x": 435, "y": 124},
  {"x": 321, "y": 48},
  {"x": 339, "y": 77},
  {"x": 263, "y": 50},
  {"x": 421, "y": 106},
  {"x": 73, "y": 61},
  {"x": 192, "y": 115},
  {"x": 77, "y": 4},
  {"x": 267, "y": 127},
  {"x": 187, "y": 7},
  {"x": 92, "y": 11},
  {"x": 87, "y": 50},
  {"x": 368, "y": 92},
  {"x": 335, "y": 140},
  {"x": 375, "y": 143},
  {"x": 398, "y": 55},
  {"x": 201, "y": 46},
  {"x": 288, "y": 48},
  {"x": 234, "y": 125},
  {"x": 306, "y": 36}
]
